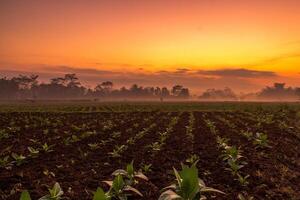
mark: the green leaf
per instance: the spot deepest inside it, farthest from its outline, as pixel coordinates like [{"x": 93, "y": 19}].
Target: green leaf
[
  {"x": 25, "y": 195},
  {"x": 130, "y": 169},
  {"x": 56, "y": 191},
  {"x": 190, "y": 183},
  {"x": 100, "y": 195},
  {"x": 118, "y": 183}
]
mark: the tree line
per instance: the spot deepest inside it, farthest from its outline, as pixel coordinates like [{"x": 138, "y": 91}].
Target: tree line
[{"x": 69, "y": 87}]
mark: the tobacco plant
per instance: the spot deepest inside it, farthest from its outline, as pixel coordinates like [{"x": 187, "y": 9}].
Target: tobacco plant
[
  {"x": 261, "y": 140},
  {"x": 130, "y": 174},
  {"x": 4, "y": 161},
  {"x": 47, "y": 148},
  {"x": 18, "y": 159},
  {"x": 188, "y": 186},
  {"x": 55, "y": 193},
  {"x": 33, "y": 152},
  {"x": 119, "y": 190}
]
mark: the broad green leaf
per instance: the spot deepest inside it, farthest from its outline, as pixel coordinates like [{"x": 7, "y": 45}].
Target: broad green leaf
[
  {"x": 130, "y": 169},
  {"x": 118, "y": 183},
  {"x": 100, "y": 195},
  {"x": 190, "y": 183},
  {"x": 25, "y": 195}
]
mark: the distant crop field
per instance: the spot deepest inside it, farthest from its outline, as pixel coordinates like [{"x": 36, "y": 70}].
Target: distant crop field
[{"x": 243, "y": 150}]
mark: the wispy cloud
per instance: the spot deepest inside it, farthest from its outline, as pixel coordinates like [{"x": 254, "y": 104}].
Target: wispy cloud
[{"x": 238, "y": 73}]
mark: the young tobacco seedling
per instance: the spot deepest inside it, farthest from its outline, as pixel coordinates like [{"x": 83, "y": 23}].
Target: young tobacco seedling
[
  {"x": 33, "y": 152},
  {"x": 94, "y": 146},
  {"x": 248, "y": 134},
  {"x": 146, "y": 168},
  {"x": 188, "y": 186},
  {"x": 47, "y": 148},
  {"x": 261, "y": 140},
  {"x": 129, "y": 174},
  {"x": 19, "y": 159},
  {"x": 234, "y": 166},
  {"x": 4, "y": 161},
  {"x": 55, "y": 193},
  {"x": 243, "y": 179},
  {"x": 116, "y": 153},
  {"x": 119, "y": 189}
]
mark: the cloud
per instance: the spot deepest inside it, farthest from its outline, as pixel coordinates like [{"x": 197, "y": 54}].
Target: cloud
[
  {"x": 182, "y": 70},
  {"x": 238, "y": 73}
]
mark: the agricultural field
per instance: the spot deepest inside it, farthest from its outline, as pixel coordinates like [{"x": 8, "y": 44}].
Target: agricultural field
[{"x": 239, "y": 150}]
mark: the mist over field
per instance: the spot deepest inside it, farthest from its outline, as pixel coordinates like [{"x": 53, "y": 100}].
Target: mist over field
[{"x": 69, "y": 87}]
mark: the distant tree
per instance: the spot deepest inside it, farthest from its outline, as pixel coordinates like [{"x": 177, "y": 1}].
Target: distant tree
[
  {"x": 165, "y": 92},
  {"x": 184, "y": 93},
  {"x": 215, "y": 94},
  {"x": 71, "y": 80},
  {"x": 8, "y": 88},
  {"x": 107, "y": 86},
  {"x": 278, "y": 92},
  {"x": 176, "y": 90}
]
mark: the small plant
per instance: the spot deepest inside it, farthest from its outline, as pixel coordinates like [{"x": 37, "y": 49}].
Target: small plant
[
  {"x": 146, "y": 168},
  {"x": 248, "y": 134},
  {"x": 155, "y": 146},
  {"x": 94, "y": 146},
  {"x": 116, "y": 134},
  {"x": 4, "y": 161},
  {"x": 261, "y": 140},
  {"x": 130, "y": 174},
  {"x": 232, "y": 153},
  {"x": 33, "y": 152},
  {"x": 234, "y": 166},
  {"x": 188, "y": 186},
  {"x": 243, "y": 179},
  {"x": 55, "y": 193},
  {"x": 116, "y": 153},
  {"x": 47, "y": 148},
  {"x": 19, "y": 159},
  {"x": 245, "y": 196},
  {"x": 222, "y": 142},
  {"x": 119, "y": 189}
]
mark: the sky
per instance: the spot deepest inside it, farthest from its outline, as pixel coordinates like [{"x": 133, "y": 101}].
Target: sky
[{"x": 201, "y": 44}]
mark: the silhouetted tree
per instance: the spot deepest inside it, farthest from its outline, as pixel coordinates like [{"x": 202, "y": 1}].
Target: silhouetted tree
[{"x": 215, "y": 94}]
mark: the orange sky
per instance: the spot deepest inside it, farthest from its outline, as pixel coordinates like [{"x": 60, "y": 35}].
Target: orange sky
[{"x": 145, "y": 37}]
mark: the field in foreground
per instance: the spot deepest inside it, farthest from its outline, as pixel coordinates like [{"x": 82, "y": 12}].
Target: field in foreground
[{"x": 79, "y": 147}]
